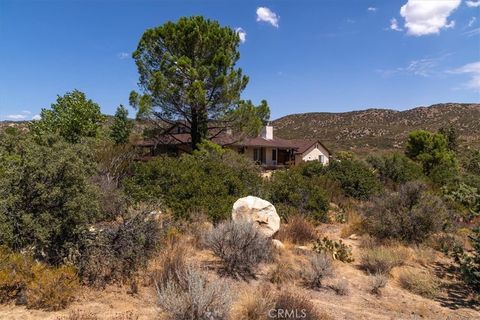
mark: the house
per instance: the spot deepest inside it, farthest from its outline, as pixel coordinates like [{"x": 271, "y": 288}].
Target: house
[{"x": 267, "y": 150}]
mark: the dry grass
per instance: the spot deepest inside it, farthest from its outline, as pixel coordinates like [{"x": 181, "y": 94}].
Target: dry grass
[
  {"x": 319, "y": 268},
  {"x": 377, "y": 283},
  {"x": 294, "y": 305},
  {"x": 354, "y": 225},
  {"x": 424, "y": 256},
  {"x": 254, "y": 304},
  {"x": 171, "y": 262},
  {"x": 420, "y": 282},
  {"x": 298, "y": 230},
  {"x": 341, "y": 287},
  {"x": 383, "y": 259},
  {"x": 287, "y": 268}
]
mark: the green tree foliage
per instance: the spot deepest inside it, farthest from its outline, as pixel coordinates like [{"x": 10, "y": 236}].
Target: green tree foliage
[
  {"x": 451, "y": 134},
  {"x": 471, "y": 162},
  {"x": 210, "y": 181},
  {"x": 72, "y": 117},
  {"x": 46, "y": 198},
  {"x": 396, "y": 168},
  {"x": 121, "y": 127},
  {"x": 431, "y": 150},
  {"x": 355, "y": 177},
  {"x": 293, "y": 192},
  {"x": 188, "y": 73},
  {"x": 409, "y": 215}
]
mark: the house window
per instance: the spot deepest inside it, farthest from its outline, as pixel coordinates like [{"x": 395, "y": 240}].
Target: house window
[
  {"x": 274, "y": 155},
  {"x": 257, "y": 154},
  {"x": 322, "y": 158}
]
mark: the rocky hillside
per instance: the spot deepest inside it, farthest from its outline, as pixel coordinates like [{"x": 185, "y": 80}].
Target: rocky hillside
[{"x": 380, "y": 129}]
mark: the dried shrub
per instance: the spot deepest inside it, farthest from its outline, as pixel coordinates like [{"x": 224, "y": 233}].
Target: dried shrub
[
  {"x": 420, "y": 282},
  {"x": 292, "y": 305},
  {"x": 354, "y": 224},
  {"x": 35, "y": 284},
  {"x": 115, "y": 251},
  {"x": 253, "y": 305},
  {"x": 445, "y": 242},
  {"x": 409, "y": 215},
  {"x": 240, "y": 246},
  {"x": 298, "y": 230},
  {"x": 341, "y": 287},
  {"x": 377, "y": 282},
  {"x": 382, "y": 259},
  {"x": 320, "y": 267},
  {"x": 172, "y": 263},
  {"x": 424, "y": 255},
  {"x": 338, "y": 250},
  {"x": 79, "y": 315},
  {"x": 51, "y": 288},
  {"x": 287, "y": 268},
  {"x": 194, "y": 297}
]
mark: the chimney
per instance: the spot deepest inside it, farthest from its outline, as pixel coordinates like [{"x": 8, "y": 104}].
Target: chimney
[{"x": 267, "y": 132}]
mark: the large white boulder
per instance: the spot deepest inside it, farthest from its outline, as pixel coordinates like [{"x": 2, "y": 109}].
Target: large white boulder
[{"x": 259, "y": 211}]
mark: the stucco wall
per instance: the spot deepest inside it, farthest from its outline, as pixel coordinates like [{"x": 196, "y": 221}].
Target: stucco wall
[{"x": 313, "y": 154}]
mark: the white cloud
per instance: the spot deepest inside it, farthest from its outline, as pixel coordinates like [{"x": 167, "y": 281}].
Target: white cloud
[
  {"x": 123, "y": 55},
  {"x": 472, "y": 32},
  {"x": 242, "y": 34},
  {"x": 473, "y": 4},
  {"x": 372, "y": 9},
  {"x": 36, "y": 117},
  {"x": 425, "y": 67},
  {"x": 15, "y": 116},
  {"x": 26, "y": 112},
  {"x": 423, "y": 17},
  {"x": 267, "y": 15},
  {"x": 394, "y": 25},
  {"x": 474, "y": 70},
  {"x": 472, "y": 21}
]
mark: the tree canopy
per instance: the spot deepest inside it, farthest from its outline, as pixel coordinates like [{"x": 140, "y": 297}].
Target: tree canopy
[
  {"x": 72, "y": 117},
  {"x": 188, "y": 73},
  {"x": 121, "y": 127}
]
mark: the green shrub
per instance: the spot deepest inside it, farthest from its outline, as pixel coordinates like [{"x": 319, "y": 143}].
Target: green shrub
[
  {"x": 46, "y": 197},
  {"x": 410, "y": 215},
  {"x": 470, "y": 262},
  {"x": 208, "y": 181},
  {"x": 355, "y": 177},
  {"x": 293, "y": 190},
  {"x": 396, "y": 168},
  {"x": 338, "y": 250}
]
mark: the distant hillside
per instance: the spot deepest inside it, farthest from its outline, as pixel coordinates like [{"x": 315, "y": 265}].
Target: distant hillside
[{"x": 380, "y": 129}]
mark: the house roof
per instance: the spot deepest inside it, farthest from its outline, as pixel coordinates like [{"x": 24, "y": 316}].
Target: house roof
[{"x": 299, "y": 145}]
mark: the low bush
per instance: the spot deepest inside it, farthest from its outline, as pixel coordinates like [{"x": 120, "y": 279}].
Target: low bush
[
  {"x": 115, "y": 251},
  {"x": 419, "y": 282},
  {"x": 208, "y": 181},
  {"x": 293, "y": 190},
  {"x": 377, "y": 283},
  {"x": 340, "y": 287},
  {"x": 288, "y": 268},
  {"x": 194, "y": 297},
  {"x": 469, "y": 262},
  {"x": 338, "y": 250},
  {"x": 409, "y": 215},
  {"x": 51, "y": 288},
  {"x": 35, "y": 284},
  {"x": 319, "y": 267},
  {"x": 381, "y": 260},
  {"x": 240, "y": 246},
  {"x": 396, "y": 168},
  {"x": 254, "y": 304},
  {"x": 292, "y": 305},
  {"x": 171, "y": 263},
  {"x": 355, "y": 178},
  {"x": 298, "y": 230}
]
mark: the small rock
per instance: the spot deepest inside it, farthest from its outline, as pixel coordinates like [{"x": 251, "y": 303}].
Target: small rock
[
  {"x": 353, "y": 237},
  {"x": 278, "y": 244}
]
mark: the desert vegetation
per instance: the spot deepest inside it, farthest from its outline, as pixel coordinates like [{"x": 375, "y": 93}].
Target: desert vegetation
[{"x": 81, "y": 212}]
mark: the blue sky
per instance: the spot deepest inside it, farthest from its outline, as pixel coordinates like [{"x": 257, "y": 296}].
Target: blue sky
[{"x": 301, "y": 56}]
